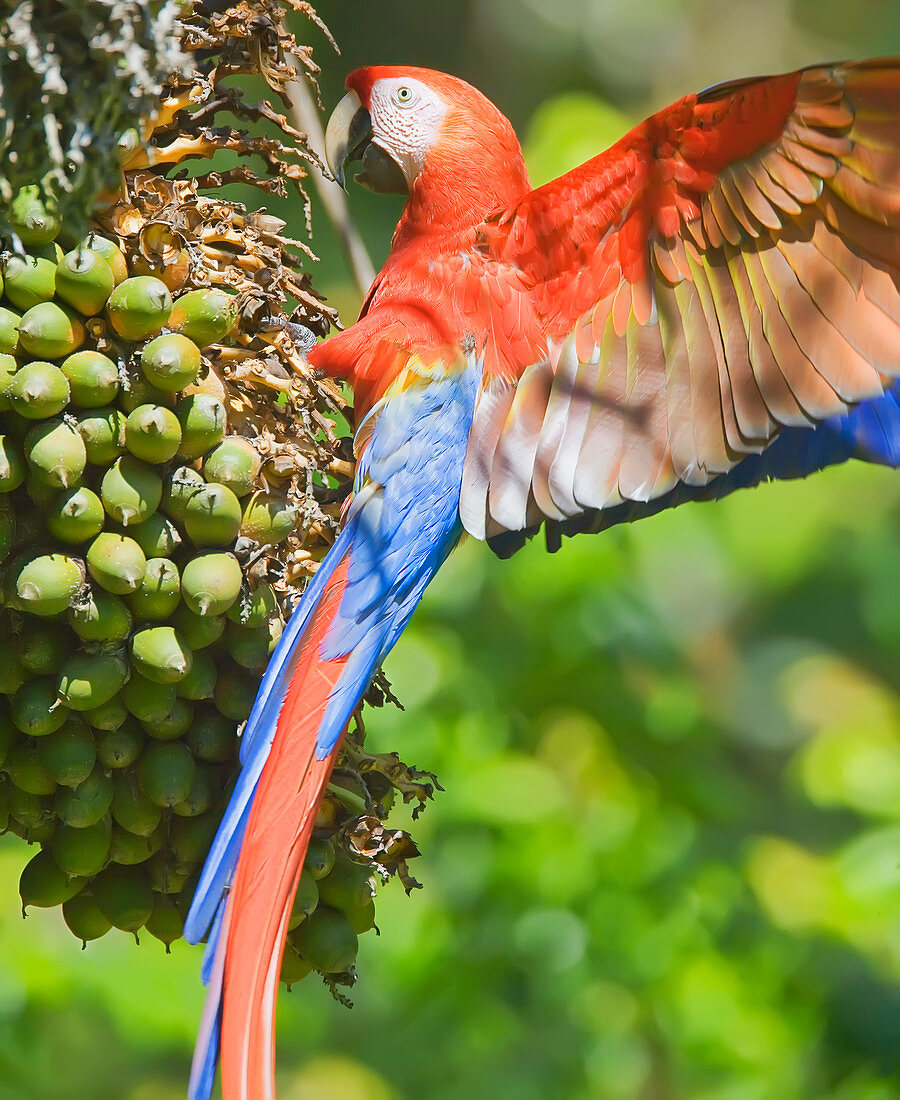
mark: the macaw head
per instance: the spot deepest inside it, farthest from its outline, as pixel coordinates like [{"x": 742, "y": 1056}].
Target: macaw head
[{"x": 405, "y": 123}]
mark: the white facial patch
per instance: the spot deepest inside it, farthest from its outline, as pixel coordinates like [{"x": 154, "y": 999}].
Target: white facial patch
[{"x": 406, "y": 120}]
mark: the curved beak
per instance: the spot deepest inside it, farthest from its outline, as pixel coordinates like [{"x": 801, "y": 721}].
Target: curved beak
[{"x": 348, "y": 132}]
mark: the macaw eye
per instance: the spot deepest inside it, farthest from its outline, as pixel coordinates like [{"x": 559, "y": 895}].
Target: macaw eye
[{"x": 404, "y": 94}]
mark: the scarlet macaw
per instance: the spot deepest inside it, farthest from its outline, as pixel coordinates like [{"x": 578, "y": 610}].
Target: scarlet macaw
[{"x": 713, "y": 302}]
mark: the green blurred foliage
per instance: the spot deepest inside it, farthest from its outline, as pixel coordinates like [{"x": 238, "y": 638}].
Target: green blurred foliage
[{"x": 665, "y": 866}]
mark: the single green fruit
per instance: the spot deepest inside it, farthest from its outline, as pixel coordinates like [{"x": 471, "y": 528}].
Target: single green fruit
[
  {"x": 124, "y": 897},
  {"x": 68, "y": 756},
  {"x": 165, "y": 922},
  {"x": 93, "y": 378},
  {"x": 84, "y": 280},
  {"x": 204, "y": 316},
  {"x": 33, "y": 216},
  {"x": 43, "y": 884},
  {"x": 28, "y": 280},
  {"x": 174, "y": 724},
  {"x": 47, "y": 584},
  {"x": 128, "y": 849},
  {"x": 108, "y": 717},
  {"x": 26, "y": 772},
  {"x": 256, "y": 606},
  {"x": 12, "y": 676},
  {"x": 319, "y": 858},
  {"x": 200, "y": 681},
  {"x": 83, "y": 917},
  {"x": 305, "y": 900},
  {"x": 180, "y": 486},
  {"x": 210, "y": 583},
  {"x": 103, "y": 432},
  {"x": 212, "y": 516},
  {"x": 203, "y": 794},
  {"x": 87, "y": 803},
  {"x": 147, "y": 700},
  {"x": 119, "y": 748},
  {"x": 130, "y": 490},
  {"x": 161, "y": 654},
  {"x": 32, "y": 811},
  {"x": 116, "y": 563},
  {"x": 130, "y": 806},
  {"x": 38, "y": 390},
  {"x": 190, "y": 838},
  {"x": 235, "y": 693},
  {"x": 55, "y": 454},
  {"x": 294, "y": 968},
  {"x": 165, "y": 877},
  {"x": 48, "y": 331},
  {"x": 327, "y": 941},
  {"x": 166, "y": 772},
  {"x": 89, "y": 680},
  {"x": 75, "y": 515},
  {"x": 9, "y": 330},
  {"x": 199, "y": 631},
  {"x": 12, "y": 465},
  {"x": 157, "y": 536},
  {"x": 235, "y": 463},
  {"x": 170, "y": 362},
  {"x": 139, "y": 307},
  {"x": 212, "y": 738},
  {"x": 82, "y": 851},
  {"x": 268, "y": 519},
  {"x": 36, "y": 710},
  {"x": 159, "y": 593},
  {"x": 362, "y": 918},
  {"x": 100, "y": 617},
  {"x": 248, "y": 647},
  {"x": 203, "y": 423},
  {"x": 42, "y": 647},
  {"x": 152, "y": 433},
  {"x": 110, "y": 252},
  {"x": 347, "y": 885}
]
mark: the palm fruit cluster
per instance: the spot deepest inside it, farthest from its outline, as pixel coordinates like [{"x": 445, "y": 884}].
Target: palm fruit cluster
[{"x": 171, "y": 473}]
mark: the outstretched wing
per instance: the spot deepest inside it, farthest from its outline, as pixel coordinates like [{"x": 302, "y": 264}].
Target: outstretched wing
[{"x": 730, "y": 268}]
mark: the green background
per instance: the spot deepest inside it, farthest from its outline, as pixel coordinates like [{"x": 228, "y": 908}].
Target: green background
[{"x": 667, "y": 862}]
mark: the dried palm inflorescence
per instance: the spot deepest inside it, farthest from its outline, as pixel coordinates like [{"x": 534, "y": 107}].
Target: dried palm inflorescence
[{"x": 170, "y": 475}]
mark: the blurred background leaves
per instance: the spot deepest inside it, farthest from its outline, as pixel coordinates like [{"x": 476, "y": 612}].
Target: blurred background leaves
[{"x": 667, "y": 862}]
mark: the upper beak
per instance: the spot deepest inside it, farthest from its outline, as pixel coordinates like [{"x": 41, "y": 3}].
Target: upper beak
[{"x": 349, "y": 131}]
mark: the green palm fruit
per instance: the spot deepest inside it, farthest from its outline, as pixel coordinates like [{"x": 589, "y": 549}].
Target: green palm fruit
[
  {"x": 84, "y": 280},
  {"x": 165, "y": 877},
  {"x": 93, "y": 378},
  {"x": 170, "y": 362},
  {"x": 294, "y": 968},
  {"x": 138, "y": 391},
  {"x": 120, "y": 747},
  {"x": 180, "y": 486},
  {"x": 35, "y": 708},
  {"x": 159, "y": 593},
  {"x": 347, "y": 885},
  {"x": 327, "y": 941},
  {"x": 111, "y": 253},
  {"x": 30, "y": 810},
  {"x": 87, "y": 803},
  {"x": 157, "y": 536},
  {"x": 12, "y": 465},
  {"x": 268, "y": 519},
  {"x": 55, "y": 454},
  {"x": 248, "y": 647},
  {"x": 124, "y": 897},
  {"x": 26, "y": 772},
  {"x": 165, "y": 922},
  {"x": 82, "y": 851},
  {"x": 235, "y": 463},
  {"x": 35, "y": 221},
  {"x": 44, "y": 885},
  {"x": 305, "y": 900},
  {"x": 84, "y": 919},
  {"x": 199, "y": 631},
  {"x": 319, "y": 858},
  {"x": 234, "y": 693},
  {"x": 212, "y": 516},
  {"x": 38, "y": 390},
  {"x": 174, "y": 724},
  {"x": 146, "y": 700},
  {"x": 8, "y": 367},
  {"x": 129, "y": 849},
  {"x": 42, "y": 647},
  {"x": 9, "y": 330},
  {"x": 200, "y": 681},
  {"x": 12, "y": 676},
  {"x": 152, "y": 433},
  {"x": 166, "y": 772},
  {"x": 8, "y": 735},
  {"x": 75, "y": 515},
  {"x": 203, "y": 794},
  {"x": 108, "y": 717},
  {"x": 212, "y": 738},
  {"x": 139, "y": 307},
  {"x": 116, "y": 563},
  {"x": 205, "y": 316},
  {"x": 362, "y": 918},
  {"x": 99, "y": 616},
  {"x": 68, "y": 755},
  {"x": 160, "y": 654},
  {"x": 28, "y": 280},
  {"x": 130, "y": 806},
  {"x": 49, "y": 331},
  {"x": 210, "y": 583},
  {"x": 38, "y": 491},
  {"x": 190, "y": 838},
  {"x": 89, "y": 680},
  {"x": 103, "y": 432},
  {"x": 256, "y": 606},
  {"x": 47, "y": 584},
  {"x": 130, "y": 490},
  {"x": 203, "y": 423}
]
